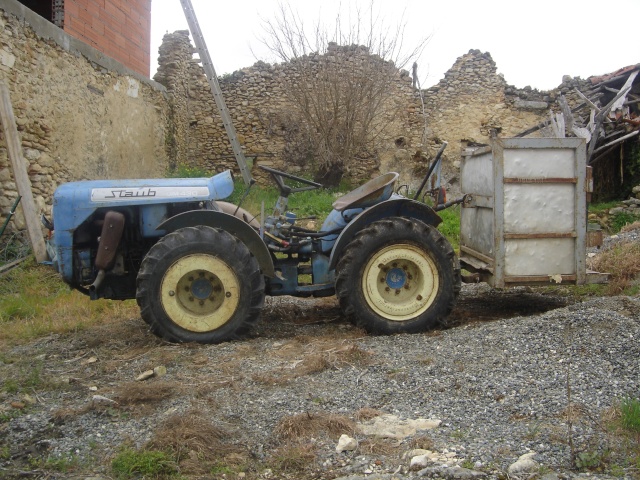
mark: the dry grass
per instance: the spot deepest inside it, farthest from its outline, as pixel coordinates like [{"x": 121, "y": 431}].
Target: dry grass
[
  {"x": 307, "y": 425},
  {"x": 380, "y": 446},
  {"x": 306, "y": 355},
  {"x": 630, "y": 227},
  {"x": 196, "y": 443},
  {"x": 293, "y": 458},
  {"x": 421, "y": 442},
  {"x": 367, "y": 413},
  {"x": 622, "y": 262},
  {"x": 145, "y": 393}
]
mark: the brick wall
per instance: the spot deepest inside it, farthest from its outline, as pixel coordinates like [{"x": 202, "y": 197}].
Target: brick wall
[{"x": 120, "y": 29}]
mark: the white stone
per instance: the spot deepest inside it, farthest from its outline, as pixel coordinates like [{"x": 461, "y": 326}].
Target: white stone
[
  {"x": 346, "y": 443},
  {"x": 134, "y": 87},
  {"x": 146, "y": 375},
  {"x": 32, "y": 154},
  {"x": 390, "y": 426},
  {"x": 7, "y": 59},
  {"x": 103, "y": 400},
  {"x": 524, "y": 464}
]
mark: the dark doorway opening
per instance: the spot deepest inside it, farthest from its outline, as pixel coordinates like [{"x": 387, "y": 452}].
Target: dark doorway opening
[{"x": 52, "y": 10}]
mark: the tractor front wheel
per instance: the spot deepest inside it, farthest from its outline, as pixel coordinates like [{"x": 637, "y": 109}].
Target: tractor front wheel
[
  {"x": 200, "y": 284},
  {"x": 398, "y": 276}
]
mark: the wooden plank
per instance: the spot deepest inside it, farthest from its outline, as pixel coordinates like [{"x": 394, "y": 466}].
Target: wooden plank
[
  {"x": 473, "y": 253},
  {"x": 8, "y": 266},
  {"x": 19, "y": 167},
  {"x": 584, "y": 97},
  {"x": 627, "y": 86},
  {"x": 541, "y": 180},
  {"x": 524, "y": 279},
  {"x": 541, "y": 125},
  {"x": 526, "y": 236}
]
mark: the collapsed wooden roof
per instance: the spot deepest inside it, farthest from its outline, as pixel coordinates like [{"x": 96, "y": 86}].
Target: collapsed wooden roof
[{"x": 607, "y": 116}]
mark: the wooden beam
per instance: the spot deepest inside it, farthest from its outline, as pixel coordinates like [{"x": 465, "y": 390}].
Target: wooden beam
[
  {"x": 19, "y": 167},
  {"x": 545, "y": 123},
  {"x": 627, "y": 86},
  {"x": 584, "y": 97},
  {"x": 621, "y": 139}
]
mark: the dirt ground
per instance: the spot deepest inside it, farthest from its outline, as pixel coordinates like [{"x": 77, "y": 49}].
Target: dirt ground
[{"x": 68, "y": 386}]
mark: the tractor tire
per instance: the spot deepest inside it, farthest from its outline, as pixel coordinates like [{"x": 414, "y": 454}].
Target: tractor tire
[
  {"x": 200, "y": 284},
  {"x": 398, "y": 275}
]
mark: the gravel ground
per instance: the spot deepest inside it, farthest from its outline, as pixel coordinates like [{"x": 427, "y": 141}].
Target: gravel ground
[{"x": 503, "y": 384}]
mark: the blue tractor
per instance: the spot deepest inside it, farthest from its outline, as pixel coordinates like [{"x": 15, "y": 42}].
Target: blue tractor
[{"x": 200, "y": 268}]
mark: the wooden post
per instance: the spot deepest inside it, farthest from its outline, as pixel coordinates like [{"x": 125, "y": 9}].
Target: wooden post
[{"x": 14, "y": 149}]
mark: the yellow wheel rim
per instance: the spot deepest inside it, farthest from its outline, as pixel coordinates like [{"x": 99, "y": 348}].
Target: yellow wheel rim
[
  {"x": 200, "y": 293},
  {"x": 400, "y": 282}
]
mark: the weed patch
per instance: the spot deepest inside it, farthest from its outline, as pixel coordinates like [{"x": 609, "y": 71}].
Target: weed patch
[
  {"x": 622, "y": 262},
  {"x": 142, "y": 464},
  {"x": 34, "y": 302},
  {"x": 630, "y": 414}
]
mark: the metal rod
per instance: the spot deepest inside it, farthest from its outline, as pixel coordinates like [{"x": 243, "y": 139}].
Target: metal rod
[
  {"x": 431, "y": 169},
  {"x": 12, "y": 212}
]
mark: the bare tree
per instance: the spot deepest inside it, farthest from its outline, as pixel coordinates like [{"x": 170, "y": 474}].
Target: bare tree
[{"x": 340, "y": 81}]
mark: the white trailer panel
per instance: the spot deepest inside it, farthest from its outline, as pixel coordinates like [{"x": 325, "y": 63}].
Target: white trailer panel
[{"x": 524, "y": 219}]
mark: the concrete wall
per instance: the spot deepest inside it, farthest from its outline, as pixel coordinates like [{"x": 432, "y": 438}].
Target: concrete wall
[{"x": 80, "y": 114}]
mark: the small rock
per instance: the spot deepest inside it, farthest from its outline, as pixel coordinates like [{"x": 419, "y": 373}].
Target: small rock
[
  {"x": 160, "y": 371},
  {"x": 524, "y": 464},
  {"x": 346, "y": 443},
  {"x": 145, "y": 376},
  {"x": 99, "y": 399}
]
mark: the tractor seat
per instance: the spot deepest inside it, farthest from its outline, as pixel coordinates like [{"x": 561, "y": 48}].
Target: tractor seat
[{"x": 374, "y": 191}]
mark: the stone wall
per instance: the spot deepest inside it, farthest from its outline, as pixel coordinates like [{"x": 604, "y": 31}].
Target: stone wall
[
  {"x": 80, "y": 115},
  {"x": 462, "y": 109},
  {"x": 261, "y": 112}
]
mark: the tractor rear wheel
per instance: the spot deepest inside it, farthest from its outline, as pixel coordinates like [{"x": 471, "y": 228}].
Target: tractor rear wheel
[
  {"x": 398, "y": 275},
  {"x": 200, "y": 284}
]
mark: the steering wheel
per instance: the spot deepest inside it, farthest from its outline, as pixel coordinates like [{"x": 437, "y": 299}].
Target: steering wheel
[{"x": 285, "y": 190}]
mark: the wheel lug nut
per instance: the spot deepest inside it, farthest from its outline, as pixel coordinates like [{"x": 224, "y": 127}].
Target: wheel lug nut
[
  {"x": 212, "y": 298},
  {"x": 395, "y": 264},
  {"x": 419, "y": 298},
  {"x": 397, "y": 292},
  {"x": 406, "y": 286},
  {"x": 228, "y": 294},
  {"x": 186, "y": 289},
  {"x": 201, "y": 302},
  {"x": 191, "y": 279},
  {"x": 201, "y": 274},
  {"x": 387, "y": 289},
  {"x": 191, "y": 299},
  {"x": 171, "y": 293}
]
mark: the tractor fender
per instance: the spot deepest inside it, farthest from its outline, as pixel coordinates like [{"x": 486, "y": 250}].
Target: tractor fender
[
  {"x": 228, "y": 223},
  {"x": 398, "y": 207}
]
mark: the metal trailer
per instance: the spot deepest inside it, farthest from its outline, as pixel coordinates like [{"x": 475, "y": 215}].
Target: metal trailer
[{"x": 524, "y": 218}]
